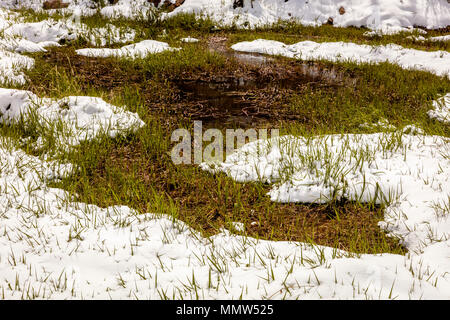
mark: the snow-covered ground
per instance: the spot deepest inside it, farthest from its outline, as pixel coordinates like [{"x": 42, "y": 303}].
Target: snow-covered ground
[
  {"x": 412, "y": 172},
  {"x": 52, "y": 247},
  {"x": 441, "y": 111},
  {"x": 437, "y": 62},
  {"x": 12, "y": 66},
  {"x": 81, "y": 7},
  {"x": 440, "y": 38},
  {"x": 135, "y": 50},
  {"x": 67, "y": 121},
  {"x": 50, "y": 32},
  {"x": 387, "y": 15},
  {"x": 131, "y": 9},
  {"x": 189, "y": 40}
]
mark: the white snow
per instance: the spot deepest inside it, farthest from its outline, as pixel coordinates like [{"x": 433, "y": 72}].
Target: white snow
[
  {"x": 416, "y": 38},
  {"x": 129, "y": 9},
  {"x": 50, "y": 32},
  {"x": 19, "y": 36},
  {"x": 411, "y": 173},
  {"x": 377, "y": 15},
  {"x": 52, "y": 247},
  {"x": 385, "y": 16},
  {"x": 136, "y": 50},
  {"x": 12, "y": 66},
  {"x": 437, "y": 62},
  {"x": 238, "y": 226},
  {"x": 390, "y": 30},
  {"x": 441, "y": 38},
  {"x": 23, "y": 45},
  {"x": 70, "y": 120},
  {"x": 433, "y": 39},
  {"x": 189, "y": 39},
  {"x": 441, "y": 111},
  {"x": 7, "y": 18},
  {"x": 381, "y": 124}
]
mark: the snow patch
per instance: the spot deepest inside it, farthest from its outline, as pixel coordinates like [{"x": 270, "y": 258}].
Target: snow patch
[
  {"x": 437, "y": 62},
  {"x": 12, "y": 66},
  {"x": 440, "y": 38},
  {"x": 54, "y": 248},
  {"x": 50, "y": 32},
  {"x": 409, "y": 173},
  {"x": 189, "y": 39},
  {"x": 129, "y": 9},
  {"x": 441, "y": 111},
  {"x": 391, "y": 30},
  {"x": 136, "y": 50},
  {"x": 386, "y": 15},
  {"x": 80, "y": 7},
  {"x": 70, "y": 120},
  {"x": 381, "y": 124}
]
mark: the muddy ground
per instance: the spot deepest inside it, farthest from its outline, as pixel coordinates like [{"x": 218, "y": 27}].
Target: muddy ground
[{"x": 250, "y": 91}]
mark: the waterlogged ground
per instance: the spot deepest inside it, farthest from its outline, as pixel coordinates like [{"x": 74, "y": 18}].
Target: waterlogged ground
[{"x": 352, "y": 204}]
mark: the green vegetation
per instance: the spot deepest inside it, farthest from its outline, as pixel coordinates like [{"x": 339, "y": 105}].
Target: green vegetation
[{"x": 137, "y": 171}]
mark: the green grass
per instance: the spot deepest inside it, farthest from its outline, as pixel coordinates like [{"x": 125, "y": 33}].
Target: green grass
[{"x": 136, "y": 170}]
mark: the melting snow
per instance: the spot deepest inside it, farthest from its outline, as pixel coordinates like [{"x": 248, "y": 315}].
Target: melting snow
[
  {"x": 441, "y": 38},
  {"x": 189, "y": 39},
  {"x": 386, "y": 15},
  {"x": 50, "y": 32},
  {"x": 18, "y": 36},
  {"x": 441, "y": 111},
  {"x": 136, "y": 50},
  {"x": 437, "y": 62},
  {"x": 12, "y": 66},
  {"x": 130, "y": 9},
  {"x": 409, "y": 172},
  {"x": 80, "y": 7},
  {"x": 71, "y": 120},
  {"x": 52, "y": 247}
]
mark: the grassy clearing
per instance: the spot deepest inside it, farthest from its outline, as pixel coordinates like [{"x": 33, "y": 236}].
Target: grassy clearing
[{"x": 137, "y": 170}]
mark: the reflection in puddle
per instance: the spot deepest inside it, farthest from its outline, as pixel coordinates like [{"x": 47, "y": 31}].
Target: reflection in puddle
[{"x": 244, "y": 101}]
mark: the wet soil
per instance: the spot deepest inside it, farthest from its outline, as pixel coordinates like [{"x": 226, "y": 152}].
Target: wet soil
[{"x": 257, "y": 96}]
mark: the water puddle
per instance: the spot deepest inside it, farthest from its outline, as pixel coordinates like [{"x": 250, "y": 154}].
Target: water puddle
[{"x": 243, "y": 102}]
